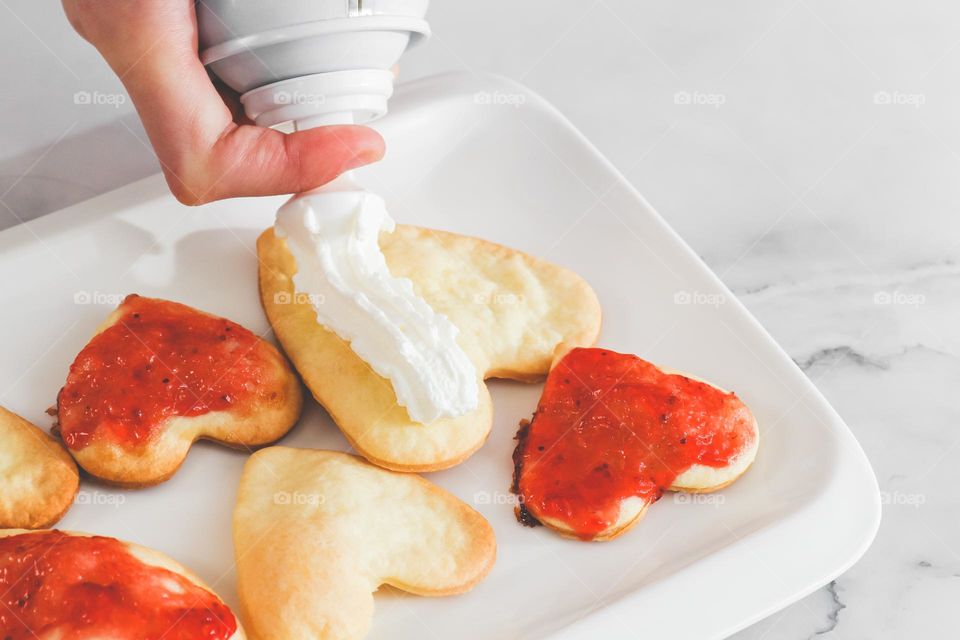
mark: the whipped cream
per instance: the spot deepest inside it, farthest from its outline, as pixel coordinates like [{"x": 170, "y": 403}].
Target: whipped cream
[{"x": 333, "y": 236}]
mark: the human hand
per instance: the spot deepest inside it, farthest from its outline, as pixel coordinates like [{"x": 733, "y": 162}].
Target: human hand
[{"x": 207, "y": 148}]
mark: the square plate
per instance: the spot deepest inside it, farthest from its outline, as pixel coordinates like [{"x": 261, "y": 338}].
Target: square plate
[{"x": 486, "y": 157}]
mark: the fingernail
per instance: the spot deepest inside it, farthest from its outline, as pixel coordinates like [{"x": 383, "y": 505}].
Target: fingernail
[
  {"x": 368, "y": 148},
  {"x": 362, "y": 158}
]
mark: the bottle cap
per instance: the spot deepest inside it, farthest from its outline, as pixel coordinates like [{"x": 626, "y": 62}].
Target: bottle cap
[{"x": 310, "y": 62}]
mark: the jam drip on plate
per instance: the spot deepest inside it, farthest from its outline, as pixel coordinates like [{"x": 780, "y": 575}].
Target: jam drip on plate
[
  {"x": 158, "y": 360},
  {"x": 74, "y": 587},
  {"x": 611, "y": 426}
]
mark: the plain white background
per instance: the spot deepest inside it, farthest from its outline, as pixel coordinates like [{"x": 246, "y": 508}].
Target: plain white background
[{"x": 808, "y": 150}]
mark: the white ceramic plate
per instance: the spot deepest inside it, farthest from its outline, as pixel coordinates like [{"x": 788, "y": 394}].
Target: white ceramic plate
[{"x": 481, "y": 156}]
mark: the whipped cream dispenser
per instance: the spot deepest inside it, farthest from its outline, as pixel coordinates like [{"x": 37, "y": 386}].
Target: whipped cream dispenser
[
  {"x": 325, "y": 62},
  {"x": 309, "y": 62}
]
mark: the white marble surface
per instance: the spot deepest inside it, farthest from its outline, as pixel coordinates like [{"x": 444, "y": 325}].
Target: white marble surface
[{"x": 807, "y": 149}]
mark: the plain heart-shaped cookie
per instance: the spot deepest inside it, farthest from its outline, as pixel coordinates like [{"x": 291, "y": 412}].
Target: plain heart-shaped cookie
[
  {"x": 56, "y": 584},
  {"x": 317, "y": 532},
  {"x": 38, "y": 478},
  {"x": 158, "y": 376},
  {"x": 513, "y": 312},
  {"x": 612, "y": 432}
]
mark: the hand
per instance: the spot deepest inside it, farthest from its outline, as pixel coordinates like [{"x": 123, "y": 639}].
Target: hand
[{"x": 207, "y": 148}]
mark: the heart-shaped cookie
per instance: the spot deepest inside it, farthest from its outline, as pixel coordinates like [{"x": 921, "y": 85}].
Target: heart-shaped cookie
[
  {"x": 317, "y": 532},
  {"x": 38, "y": 478},
  {"x": 512, "y": 310},
  {"x": 56, "y": 584},
  {"x": 160, "y": 375},
  {"x": 612, "y": 432}
]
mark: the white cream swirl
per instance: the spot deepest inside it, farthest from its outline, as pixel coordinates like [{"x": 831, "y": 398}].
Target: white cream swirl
[{"x": 334, "y": 238}]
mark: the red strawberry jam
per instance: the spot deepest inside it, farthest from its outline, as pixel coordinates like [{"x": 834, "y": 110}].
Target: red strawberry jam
[
  {"x": 159, "y": 359},
  {"x": 75, "y": 588},
  {"x": 610, "y": 426}
]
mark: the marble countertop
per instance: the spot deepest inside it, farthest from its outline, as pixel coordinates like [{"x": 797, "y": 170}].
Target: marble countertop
[{"x": 807, "y": 150}]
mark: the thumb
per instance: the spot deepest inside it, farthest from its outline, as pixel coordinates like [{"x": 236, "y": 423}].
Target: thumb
[{"x": 255, "y": 161}]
